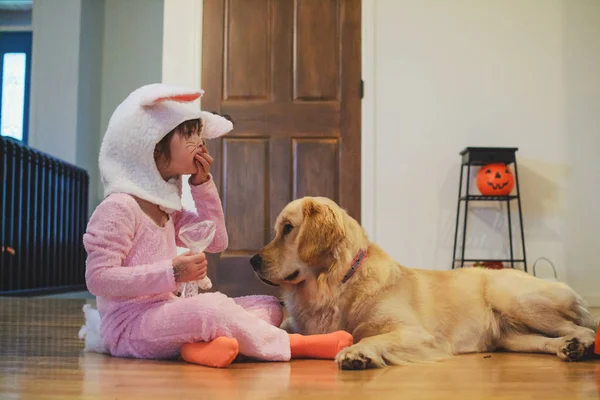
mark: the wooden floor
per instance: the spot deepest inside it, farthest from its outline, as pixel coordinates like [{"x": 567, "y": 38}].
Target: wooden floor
[{"x": 40, "y": 358}]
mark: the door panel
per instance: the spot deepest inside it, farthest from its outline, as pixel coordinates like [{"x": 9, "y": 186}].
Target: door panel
[
  {"x": 316, "y": 50},
  {"x": 288, "y": 74},
  {"x": 311, "y": 177},
  {"x": 245, "y": 192},
  {"x": 247, "y": 51}
]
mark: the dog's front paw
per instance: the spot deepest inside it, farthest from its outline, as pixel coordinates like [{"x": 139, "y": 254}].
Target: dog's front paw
[{"x": 358, "y": 357}]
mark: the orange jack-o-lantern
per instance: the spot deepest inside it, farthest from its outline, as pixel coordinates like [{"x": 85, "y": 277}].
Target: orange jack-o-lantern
[{"x": 495, "y": 180}]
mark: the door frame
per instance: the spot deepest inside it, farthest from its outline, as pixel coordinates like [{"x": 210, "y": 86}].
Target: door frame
[{"x": 182, "y": 65}]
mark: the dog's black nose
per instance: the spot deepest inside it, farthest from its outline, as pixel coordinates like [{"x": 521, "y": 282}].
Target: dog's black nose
[{"x": 256, "y": 262}]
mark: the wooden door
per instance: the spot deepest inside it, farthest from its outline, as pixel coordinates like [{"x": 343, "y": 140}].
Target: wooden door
[{"x": 288, "y": 72}]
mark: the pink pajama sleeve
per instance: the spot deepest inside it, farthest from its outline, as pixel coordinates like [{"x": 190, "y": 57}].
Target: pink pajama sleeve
[
  {"x": 108, "y": 239},
  {"x": 208, "y": 206}
]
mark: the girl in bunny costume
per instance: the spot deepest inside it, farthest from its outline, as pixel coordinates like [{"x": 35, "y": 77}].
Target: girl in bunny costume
[{"x": 153, "y": 138}]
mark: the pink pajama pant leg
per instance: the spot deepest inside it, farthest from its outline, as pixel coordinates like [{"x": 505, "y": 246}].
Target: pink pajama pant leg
[
  {"x": 267, "y": 308},
  {"x": 162, "y": 330}
]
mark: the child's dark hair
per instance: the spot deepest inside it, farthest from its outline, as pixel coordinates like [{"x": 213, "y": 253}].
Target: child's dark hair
[{"x": 162, "y": 151}]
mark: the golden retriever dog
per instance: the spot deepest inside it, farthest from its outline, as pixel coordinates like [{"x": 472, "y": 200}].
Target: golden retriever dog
[{"x": 332, "y": 277}]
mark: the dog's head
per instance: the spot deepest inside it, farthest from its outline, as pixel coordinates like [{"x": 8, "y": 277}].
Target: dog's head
[{"x": 310, "y": 233}]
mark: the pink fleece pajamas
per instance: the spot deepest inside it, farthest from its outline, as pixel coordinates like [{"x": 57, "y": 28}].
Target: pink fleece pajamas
[{"x": 129, "y": 269}]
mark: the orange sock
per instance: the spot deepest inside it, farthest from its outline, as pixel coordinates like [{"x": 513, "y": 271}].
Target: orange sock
[
  {"x": 319, "y": 346},
  {"x": 218, "y": 353}
]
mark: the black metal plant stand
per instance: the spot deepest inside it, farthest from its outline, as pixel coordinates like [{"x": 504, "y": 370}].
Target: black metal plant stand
[{"x": 478, "y": 156}]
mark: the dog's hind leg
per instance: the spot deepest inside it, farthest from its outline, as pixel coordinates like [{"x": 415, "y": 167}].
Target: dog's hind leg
[
  {"x": 568, "y": 348},
  {"x": 529, "y": 343},
  {"x": 554, "y": 313},
  {"x": 549, "y": 308},
  {"x": 541, "y": 314},
  {"x": 575, "y": 340}
]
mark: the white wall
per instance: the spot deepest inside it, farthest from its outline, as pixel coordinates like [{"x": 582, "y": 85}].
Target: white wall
[
  {"x": 132, "y": 57},
  {"x": 581, "y": 73},
  {"x": 55, "y": 77},
  {"x": 89, "y": 93},
  {"x": 66, "y": 82},
  {"x": 182, "y": 54},
  {"x": 494, "y": 73},
  {"x": 87, "y": 56}
]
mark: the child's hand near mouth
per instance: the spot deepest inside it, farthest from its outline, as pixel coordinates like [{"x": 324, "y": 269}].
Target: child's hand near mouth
[{"x": 203, "y": 161}]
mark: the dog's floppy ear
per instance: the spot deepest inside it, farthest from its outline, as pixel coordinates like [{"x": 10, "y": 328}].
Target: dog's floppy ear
[{"x": 321, "y": 231}]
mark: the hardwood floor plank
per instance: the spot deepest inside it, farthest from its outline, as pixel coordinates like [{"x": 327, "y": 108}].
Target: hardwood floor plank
[{"x": 41, "y": 358}]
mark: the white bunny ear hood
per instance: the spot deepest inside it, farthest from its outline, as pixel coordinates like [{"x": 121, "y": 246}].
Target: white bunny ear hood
[{"x": 127, "y": 152}]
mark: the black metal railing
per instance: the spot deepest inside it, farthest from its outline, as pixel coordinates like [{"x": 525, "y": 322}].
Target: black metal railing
[{"x": 43, "y": 216}]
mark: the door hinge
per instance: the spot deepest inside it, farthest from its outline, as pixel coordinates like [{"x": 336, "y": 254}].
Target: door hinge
[{"x": 362, "y": 89}]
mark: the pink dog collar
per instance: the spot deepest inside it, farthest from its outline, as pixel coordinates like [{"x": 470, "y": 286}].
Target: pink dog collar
[{"x": 358, "y": 260}]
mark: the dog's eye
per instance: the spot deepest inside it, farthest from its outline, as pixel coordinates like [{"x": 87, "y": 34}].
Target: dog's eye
[{"x": 287, "y": 228}]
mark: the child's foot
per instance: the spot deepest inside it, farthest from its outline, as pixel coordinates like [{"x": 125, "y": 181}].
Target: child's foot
[
  {"x": 218, "y": 353},
  {"x": 319, "y": 346}
]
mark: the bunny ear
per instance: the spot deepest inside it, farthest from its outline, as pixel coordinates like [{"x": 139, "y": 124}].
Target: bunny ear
[
  {"x": 159, "y": 93},
  {"x": 181, "y": 98},
  {"x": 214, "y": 126}
]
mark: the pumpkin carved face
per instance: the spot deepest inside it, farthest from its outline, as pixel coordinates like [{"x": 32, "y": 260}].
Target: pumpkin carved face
[{"x": 495, "y": 180}]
